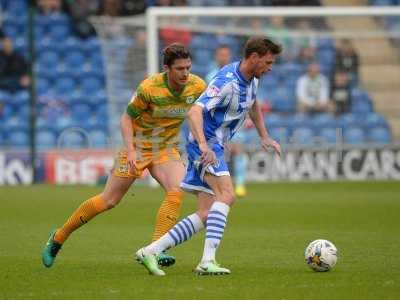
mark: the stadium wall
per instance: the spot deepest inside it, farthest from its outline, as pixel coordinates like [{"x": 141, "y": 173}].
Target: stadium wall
[{"x": 91, "y": 166}]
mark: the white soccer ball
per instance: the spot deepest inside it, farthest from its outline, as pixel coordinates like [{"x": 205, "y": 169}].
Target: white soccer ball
[{"x": 321, "y": 255}]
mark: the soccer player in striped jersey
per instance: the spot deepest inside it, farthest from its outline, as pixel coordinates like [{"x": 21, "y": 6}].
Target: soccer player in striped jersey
[
  {"x": 150, "y": 128},
  {"x": 214, "y": 120}
]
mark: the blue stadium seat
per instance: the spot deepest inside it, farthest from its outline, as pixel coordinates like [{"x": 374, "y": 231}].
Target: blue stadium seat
[
  {"x": 59, "y": 19},
  {"x": 361, "y": 107},
  {"x": 2, "y": 140},
  {"x": 359, "y": 94},
  {"x": 64, "y": 123},
  {"x": 74, "y": 60},
  {"x": 97, "y": 98},
  {"x": 299, "y": 120},
  {"x": 282, "y": 100},
  {"x": 329, "y": 135},
  {"x": 323, "y": 120},
  {"x": 374, "y": 120},
  {"x": 81, "y": 111},
  {"x": 21, "y": 98},
  {"x": 59, "y": 32},
  {"x": 42, "y": 86},
  {"x": 72, "y": 44},
  {"x": 64, "y": 85},
  {"x": 275, "y": 120},
  {"x": 90, "y": 85},
  {"x": 46, "y": 139},
  {"x": 18, "y": 139},
  {"x": 49, "y": 59},
  {"x": 15, "y": 123},
  {"x": 98, "y": 139},
  {"x": 379, "y": 135},
  {"x": 91, "y": 46},
  {"x": 199, "y": 42},
  {"x": 326, "y": 57},
  {"x": 303, "y": 136},
  {"x": 280, "y": 134},
  {"x": 102, "y": 112},
  {"x": 346, "y": 120},
  {"x": 73, "y": 140},
  {"x": 7, "y": 112},
  {"x": 354, "y": 136},
  {"x": 202, "y": 55},
  {"x": 251, "y": 137}
]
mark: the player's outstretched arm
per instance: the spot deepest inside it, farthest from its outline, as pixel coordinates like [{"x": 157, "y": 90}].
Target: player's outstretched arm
[
  {"x": 195, "y": 119},
  {"x": 266, "y": 141},
  {"x": 127, "y": 136}
]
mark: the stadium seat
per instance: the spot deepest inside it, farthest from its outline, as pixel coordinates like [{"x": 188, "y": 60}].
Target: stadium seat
[
  {"x": 64, "y": 123},
  {"x": 322, "y": 120},
  {"x": 303, "y": 136},
  {"x": 98, "y": 139},
  {"x": 90, "y": 85},
  {"x": 74, "y": 60},
  {"x": 374, "y": 120},
  {"x": 91, "y": 46},
  {"x": 42, "y": 86},
  {"x": 59, "y": 32},
  {"x": 361, "y": 107},
  {"x": 346, "y": 121},
  {"x": 329, "y": 135},
  {"x": 280, "y": 134},
  {"x": 299, "y": 120},
  {"x": 15, "y": 123},
  {"x": 354, "y": 136},
  {"x": 46, "y": 139},
  {"x": 202, "y": 55},
  {"x": 360, "y": 95},
  {"x": 275, "y": 120},
  {"x": 81, "y": 111},
  {"x": 199, "y": 42},
  {"x": 379, "y": 135},
  {"x": 2, "y": 140},
  {"x": 73, "y": 140},
  {"x": 18, "y": 139},
  {"x": 64, "y": 85},
  {"x": 49, "y": 59}
]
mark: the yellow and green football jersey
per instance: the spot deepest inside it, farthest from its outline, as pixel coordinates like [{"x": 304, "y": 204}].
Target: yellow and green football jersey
[{"x": 157, "y": 111}]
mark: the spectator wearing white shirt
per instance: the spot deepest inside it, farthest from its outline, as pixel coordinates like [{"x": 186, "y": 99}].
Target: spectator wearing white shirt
[{"x": 312, "y": 91}]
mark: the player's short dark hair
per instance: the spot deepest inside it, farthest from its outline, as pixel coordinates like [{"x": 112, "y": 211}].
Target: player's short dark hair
[
  {"x": 261, "y": 46},
  {"x": 175, "y": 51}
]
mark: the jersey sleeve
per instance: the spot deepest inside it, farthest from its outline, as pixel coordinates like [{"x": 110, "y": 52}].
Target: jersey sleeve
[
  {"x": 138, "y": 103},
  {"x": 216, "y": 95}
]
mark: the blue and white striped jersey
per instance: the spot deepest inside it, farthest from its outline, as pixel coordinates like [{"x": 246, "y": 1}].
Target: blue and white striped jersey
[{"x": 225, "y": 102}]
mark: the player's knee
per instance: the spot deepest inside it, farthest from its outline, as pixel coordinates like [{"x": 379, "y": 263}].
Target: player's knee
[
  {"x": 227, "y": 196},
  {"x": 112, "y": 201}
]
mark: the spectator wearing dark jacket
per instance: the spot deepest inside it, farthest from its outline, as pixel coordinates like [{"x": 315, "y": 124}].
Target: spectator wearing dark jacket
[{"x": 13, "y": 68}]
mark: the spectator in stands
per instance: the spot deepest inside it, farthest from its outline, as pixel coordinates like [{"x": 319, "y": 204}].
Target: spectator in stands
[
  {"x": 312, "y": 91},
  {"x": 222, "y": 57},
  {"x": 341, "y": 93},
  {"x": 47, "y": 7},
  {"x": 111, "y": 8},
  {"x": 347, "y": 60},
  {"x": 80, "y": 10},
  {"x": 13, "y": 68}
]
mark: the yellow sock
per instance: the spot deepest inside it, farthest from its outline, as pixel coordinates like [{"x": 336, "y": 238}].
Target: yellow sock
[
  {"x": 85, "y": 212},
  {"x": 168, "y": 214}
]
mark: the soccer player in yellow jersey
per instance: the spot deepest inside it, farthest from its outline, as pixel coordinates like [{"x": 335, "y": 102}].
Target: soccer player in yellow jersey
[{"x": 150, "y": 128}]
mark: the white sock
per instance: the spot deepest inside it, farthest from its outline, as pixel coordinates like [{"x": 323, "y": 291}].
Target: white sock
[
  {"x": 178, "y": 234},
  {"x": 215, "y": 226}
]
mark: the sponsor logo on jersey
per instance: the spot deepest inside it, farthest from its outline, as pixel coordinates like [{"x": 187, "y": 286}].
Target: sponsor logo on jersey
[
  {"x": 190, "y": 99},
  {"x": 213, "y": 91},
  {"x": 170, "y": 112}
]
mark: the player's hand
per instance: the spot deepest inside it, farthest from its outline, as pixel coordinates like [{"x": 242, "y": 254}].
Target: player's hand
[
  {"x": 131, "y": 161},
  {"x": 268, "y": 143},
  {"x": 208, "y": 156}
]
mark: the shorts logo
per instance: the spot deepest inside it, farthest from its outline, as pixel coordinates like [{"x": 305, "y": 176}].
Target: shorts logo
[
  {"x": 213, "y": 91},
  {"x": 190, "y": 99}
]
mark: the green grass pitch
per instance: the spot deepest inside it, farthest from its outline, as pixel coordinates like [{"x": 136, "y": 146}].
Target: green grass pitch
[{"x": 263, "y": 246}]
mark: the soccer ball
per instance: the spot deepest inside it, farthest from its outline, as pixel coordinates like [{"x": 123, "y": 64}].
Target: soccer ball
[{"x": 321, "y": 255}]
